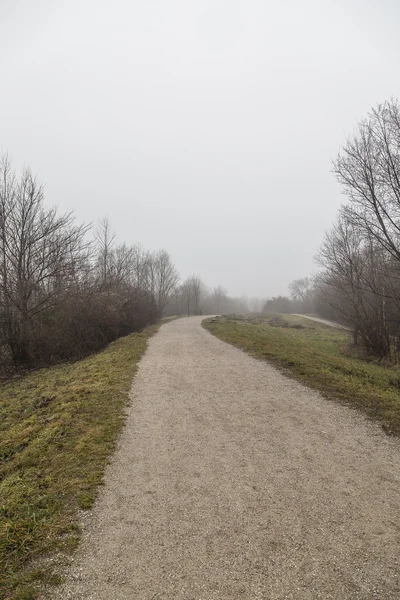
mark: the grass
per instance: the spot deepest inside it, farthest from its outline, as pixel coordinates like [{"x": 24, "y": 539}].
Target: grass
[
  {"x": 321, "y": 357},
  {"x": 58, "y": 428}
]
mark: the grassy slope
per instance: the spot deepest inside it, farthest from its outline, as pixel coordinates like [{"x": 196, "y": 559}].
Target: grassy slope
[
  {"x": 58, "y": 426},
  {"x": 319, "y": 356}
]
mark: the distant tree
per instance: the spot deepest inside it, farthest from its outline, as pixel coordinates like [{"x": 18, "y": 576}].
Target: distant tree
[
  {"x": 187, "y": 294},
  {"x": 280, "y": 304},
  {"x": 255, "y": 304},
  {"x": 163, "y": 278},
  {"x": 140, "y": 262},
  {"x": 219, "y": 296},
  {"x": 198, "y": 288},
  {"x": 105, "y": 239},
  {"x": 300, "y": 288},
  {"x": 122, "y": 266}
]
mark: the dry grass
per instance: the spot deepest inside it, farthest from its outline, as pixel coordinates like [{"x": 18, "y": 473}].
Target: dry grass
[{"x": 58, "y": 427}]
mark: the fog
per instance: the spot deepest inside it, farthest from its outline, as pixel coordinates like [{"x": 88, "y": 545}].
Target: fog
[{"x": 207, "y": 128}]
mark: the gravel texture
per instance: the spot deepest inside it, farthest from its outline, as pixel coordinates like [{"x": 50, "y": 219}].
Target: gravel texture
[{"x": 233, "y": 481}]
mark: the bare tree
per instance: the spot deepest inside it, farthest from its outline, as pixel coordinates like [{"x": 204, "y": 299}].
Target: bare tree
[
  {"x": 163, "y": 278},
  {"x": 105, "y": 239},
  {"x": 357, "y": 276},
  {"x": 40, "y": 254},
  {"x": 187, "y": 294},
  {"x": 219, "y": 295},
  {"x": 141, "y": 261},
  {"x": 121, "y": 264},
  {"x": 362, "y": 255},
  {"x": 61, "y": 296},
  {"x": 302, "y": 293},
  {"x": 368, "y": 169},
  {"x": 198, "y": 288},
  {"x": 300, "y": 288}
]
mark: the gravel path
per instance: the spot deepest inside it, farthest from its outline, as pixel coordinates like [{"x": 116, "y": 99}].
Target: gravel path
[
  {"x": 231, "y": 481},
  {"x": 323, "y": 321}
]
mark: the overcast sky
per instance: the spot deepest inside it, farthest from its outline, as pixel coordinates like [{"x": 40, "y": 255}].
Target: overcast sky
[{"x": 205, "y": 127}]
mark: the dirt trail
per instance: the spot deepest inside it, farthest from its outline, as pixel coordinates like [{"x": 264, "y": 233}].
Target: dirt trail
[{"x": 231, "y": 481}]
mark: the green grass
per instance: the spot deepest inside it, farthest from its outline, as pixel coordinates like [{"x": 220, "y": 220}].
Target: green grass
[
  {"x": 58, "y": 428},
  {"x": 321, "y": 357}
]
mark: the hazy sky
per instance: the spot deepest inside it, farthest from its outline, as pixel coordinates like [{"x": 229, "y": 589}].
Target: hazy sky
[{"x": 205, "y": 127}]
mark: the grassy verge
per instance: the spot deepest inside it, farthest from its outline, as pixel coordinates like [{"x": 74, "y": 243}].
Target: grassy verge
[
  {"x": 58, "y": 427},
  {"x": 321, "y": 357}
]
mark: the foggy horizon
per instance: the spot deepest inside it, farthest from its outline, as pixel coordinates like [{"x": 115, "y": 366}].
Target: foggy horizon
[{"x": 207, "y": 130}]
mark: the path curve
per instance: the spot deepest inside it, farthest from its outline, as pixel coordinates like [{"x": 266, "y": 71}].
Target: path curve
[
  {"x": 232, "y": 481},
  {"x": 323, "y": 321}
]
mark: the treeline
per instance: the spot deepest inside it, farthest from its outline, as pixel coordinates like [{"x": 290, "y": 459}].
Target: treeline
[
  {"x": 360, "y": 256},
  {"x": 63, "y": 295},
  {"x": 193, "y": 297},
  {"x": 304, "y": 298}
]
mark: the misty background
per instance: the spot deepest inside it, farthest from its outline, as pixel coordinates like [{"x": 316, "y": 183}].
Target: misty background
[{"x": 206, "y": 128}]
